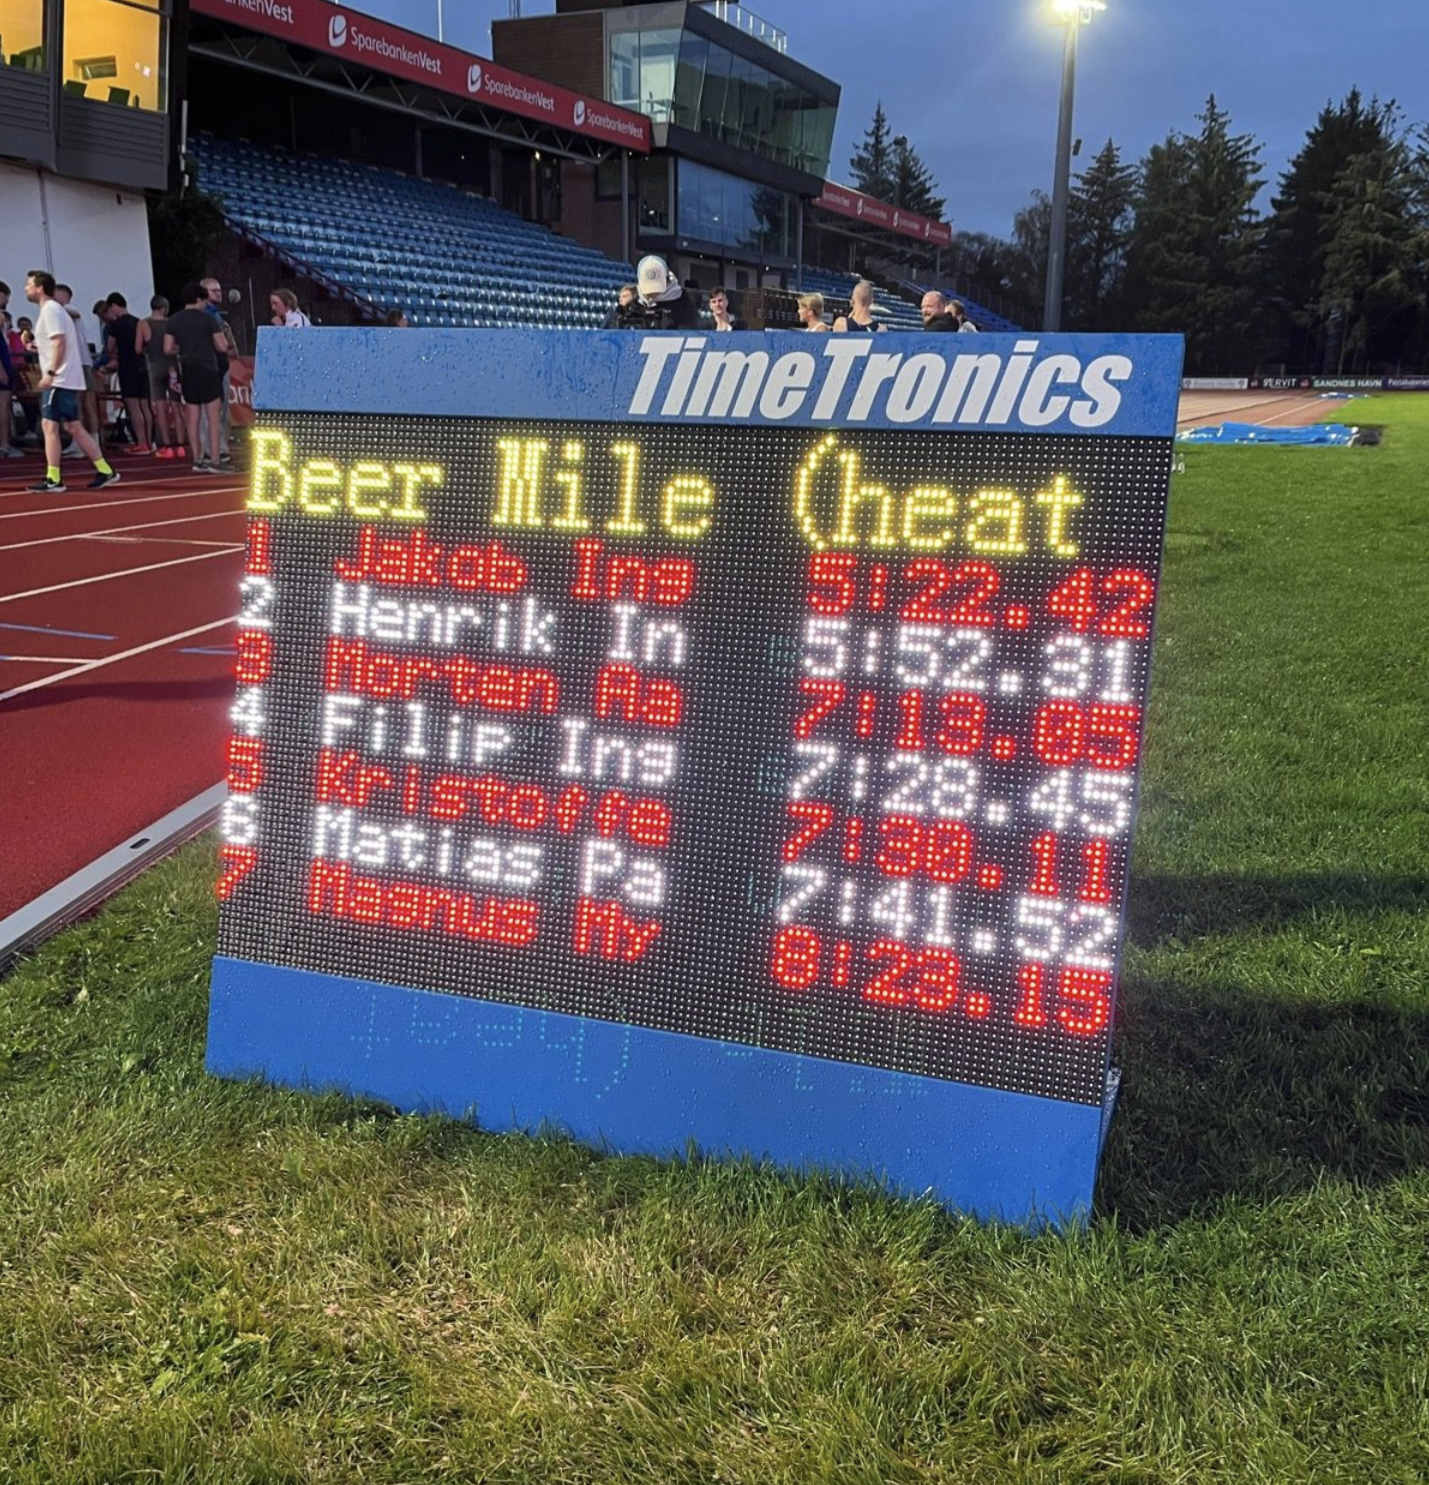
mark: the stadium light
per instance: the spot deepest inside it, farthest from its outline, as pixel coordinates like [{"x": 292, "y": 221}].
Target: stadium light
[{"x": 1073, "y": 14}]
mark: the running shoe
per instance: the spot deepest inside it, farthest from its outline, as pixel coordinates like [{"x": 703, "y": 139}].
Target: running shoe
[
  {"x": 49, "y": 487},
  {"x": 225, "y": 458},
  {"x": 101, "y": 480},
  {"x": 202, "y": 466},
  {"x": 138, "y": 448}
]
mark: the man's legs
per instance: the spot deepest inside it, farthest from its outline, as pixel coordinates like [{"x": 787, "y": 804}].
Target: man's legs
[
  {"x": 223, "y": 405},
  {"x": 214, "y": 421},
  {"x": 7, "y": 449},
  {"x": 141, "y": 420}
]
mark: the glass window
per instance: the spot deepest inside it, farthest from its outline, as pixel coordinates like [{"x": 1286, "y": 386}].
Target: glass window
[
  {"x": 654, "y": 188},
  {"x": 22, "y": 34},
  {"x": 733, "y": 213},
  {"x": 690, "y": 80},
  {"x": 713, "y": 97},
  {"x": 117, "y": 51},
  {"x": 625, "y": 69},
  {"x": 658, "y": 51}
]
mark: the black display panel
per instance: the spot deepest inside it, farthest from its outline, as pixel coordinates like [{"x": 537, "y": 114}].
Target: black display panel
[{"x": 818, "y": 741}]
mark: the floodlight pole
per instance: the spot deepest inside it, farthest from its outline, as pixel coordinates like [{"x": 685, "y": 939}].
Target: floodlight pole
[
  {"x": 1075, "y": 14},
  {"x": 1062, "y": 181}
]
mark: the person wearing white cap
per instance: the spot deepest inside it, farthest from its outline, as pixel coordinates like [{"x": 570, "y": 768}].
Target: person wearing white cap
[{"x": 663, "y": 304}]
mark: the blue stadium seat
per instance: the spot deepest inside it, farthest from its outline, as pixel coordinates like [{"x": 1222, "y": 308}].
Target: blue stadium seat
[{"x": 442, "y": 255}]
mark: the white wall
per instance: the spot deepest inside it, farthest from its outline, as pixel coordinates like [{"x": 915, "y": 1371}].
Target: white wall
[{"x": 94, "y": 238}]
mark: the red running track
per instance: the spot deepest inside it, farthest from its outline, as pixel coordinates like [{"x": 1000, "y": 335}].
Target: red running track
[{"x": 116, "y": 610}]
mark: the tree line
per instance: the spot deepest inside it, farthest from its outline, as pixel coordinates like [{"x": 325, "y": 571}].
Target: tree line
[{"x": 1332, "y": 277}]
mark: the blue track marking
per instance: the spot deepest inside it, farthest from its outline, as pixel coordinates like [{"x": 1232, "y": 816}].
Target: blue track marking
[{"x": 45, "y": 629}]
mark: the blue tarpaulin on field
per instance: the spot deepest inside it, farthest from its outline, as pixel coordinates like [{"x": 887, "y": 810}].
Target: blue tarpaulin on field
[{"x": 1326, "y": 434}]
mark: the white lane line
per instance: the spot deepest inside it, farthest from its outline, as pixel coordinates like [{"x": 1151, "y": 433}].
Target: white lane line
[
  {"x": 64, "y": 510},
  {"x": 49, "y": 541},
  {"x": 88, "y": 665},
  {"x": 105, "y": 577},
  {"x": 40, "y": 659},
  {"x": 166, "y": 541},
  {"x": 128, "y": 482}
]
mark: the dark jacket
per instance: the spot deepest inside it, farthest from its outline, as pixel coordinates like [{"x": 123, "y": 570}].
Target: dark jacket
[
  {"x": 941, "y": 325},
  {"x": 673, "y": 312}
]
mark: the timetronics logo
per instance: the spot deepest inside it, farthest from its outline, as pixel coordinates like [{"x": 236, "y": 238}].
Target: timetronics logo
[{"x": 847, "y": 381}]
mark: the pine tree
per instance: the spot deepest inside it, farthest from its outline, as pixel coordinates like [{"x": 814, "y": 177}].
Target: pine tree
[
  {"x": 1372, "y": 289},
  {"x": 913, "y": 183},
  {"x": 1192, "y": 258},
  {"x": 1100, "y": 219},
  {"x": 872, "y": 163},
  {"x": 1295, "y": 242}
]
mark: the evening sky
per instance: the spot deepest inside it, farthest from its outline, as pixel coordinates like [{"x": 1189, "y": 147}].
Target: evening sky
[{"x": 975, "y": 86}]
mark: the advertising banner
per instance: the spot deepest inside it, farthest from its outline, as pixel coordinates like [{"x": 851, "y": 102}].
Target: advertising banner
[
  {"x": 670, "y": 744},
  {"x": 400, "y": 53},
  {"x": 845, "y": 202}
]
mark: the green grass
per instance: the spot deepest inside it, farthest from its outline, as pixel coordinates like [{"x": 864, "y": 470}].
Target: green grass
[{"x": 204, "y": 1281}]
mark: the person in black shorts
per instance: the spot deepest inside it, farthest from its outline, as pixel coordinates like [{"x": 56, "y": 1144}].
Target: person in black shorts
[
  {"x": 122, "y": 345},
  {"x": 195, "y": 338}
]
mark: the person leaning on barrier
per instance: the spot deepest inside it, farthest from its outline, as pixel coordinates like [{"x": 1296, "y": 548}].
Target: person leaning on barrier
[
  {"x": 859, "y": 319},
  {"x": 959, "y": 312},
  {"x": 620, "y": 311},
  {"x": 811, "y": 312},
  {"x": 719, "y": 311},
  {"x": 934, "y": 309}
]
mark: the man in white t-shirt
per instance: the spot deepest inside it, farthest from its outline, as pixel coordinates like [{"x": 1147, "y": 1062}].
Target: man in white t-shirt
[{"x": 61, "y": 382}]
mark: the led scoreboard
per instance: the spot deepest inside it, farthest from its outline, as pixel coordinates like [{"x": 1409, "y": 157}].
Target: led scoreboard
[{"x": 727, "y": 738}]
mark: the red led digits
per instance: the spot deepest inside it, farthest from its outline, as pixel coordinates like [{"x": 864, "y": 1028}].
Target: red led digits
[
  {"x": 831, "y": 587},
  {"x": 258, "y": 557},
  {"x": 973, "y": 584},
  {"x": 255, "y": 657},
  {"x": 1116, "y": 605},
  {"x": 1106, "y": 737},
  {"x": 1084, "y": 997},
  {"x": 245, "y": 764},
  {"x": 237, "y": 863},
  {"x": 796, "y": 958}
]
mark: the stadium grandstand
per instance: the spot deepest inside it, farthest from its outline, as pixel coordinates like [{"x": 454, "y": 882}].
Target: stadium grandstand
[{"x": 374, "y": 169}]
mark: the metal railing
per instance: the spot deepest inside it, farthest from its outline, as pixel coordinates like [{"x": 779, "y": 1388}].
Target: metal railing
[{"x": 751, "y": 24}]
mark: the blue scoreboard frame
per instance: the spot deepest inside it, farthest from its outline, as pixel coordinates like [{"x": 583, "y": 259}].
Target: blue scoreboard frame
[{"x": 727, "y": 739}]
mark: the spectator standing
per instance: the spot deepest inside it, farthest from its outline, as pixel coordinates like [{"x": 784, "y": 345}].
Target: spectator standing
[
  {"x": 123, "y": 349},
  {"x": 213, "y": 304},
  {"x": 160, "y": 367},
  {"x": 811, "y": 312},
  {"x": 91, "y": 408},
  {"x": 859, "y": 318},
  {"x": 396, "y": 320},
  {"x": 934, "y": 309},
  {"x": 627, "y": 296},
  {"x": 286, "y": 314},
  {"x": 7, "y": 380},
  {"x": 194, "y": 339},
  {"x": 23, "y": 376},
  {"x": 61, "y": 382},
  {"x": 719, "y": 311},
  {"x": 959, "y": 312}
]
